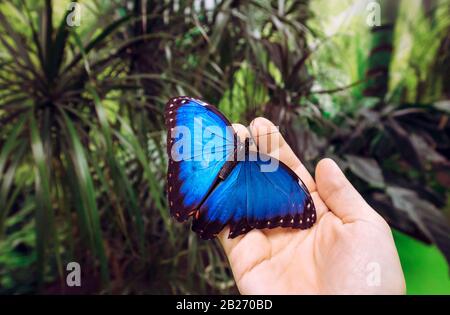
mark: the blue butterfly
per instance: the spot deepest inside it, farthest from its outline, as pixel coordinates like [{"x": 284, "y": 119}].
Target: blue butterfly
[{"x": 215, "y": 178}]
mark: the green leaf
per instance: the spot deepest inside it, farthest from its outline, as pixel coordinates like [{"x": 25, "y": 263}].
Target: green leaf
[
  {"x": 129, "y": 139},
  {"x": 59, "y": 45},
  {"x": 88, "y": 197},
  {"x": 97, "y": 40},
  {"x": 121, "y": 183},
  {"x": 366, "y": 169},
  {"x": 44, "y": 209},
  {"x": 12, "y": 141},
  {"x": 6, "y": 184}
]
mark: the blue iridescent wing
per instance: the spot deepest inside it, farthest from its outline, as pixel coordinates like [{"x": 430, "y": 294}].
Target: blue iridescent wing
[
  {"x": 192, "y": 170},
  {"x": 249, "y": 198}
]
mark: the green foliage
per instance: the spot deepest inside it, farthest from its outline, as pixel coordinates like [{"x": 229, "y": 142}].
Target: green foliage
[
  {"x": 419, "y": 67},
  {"x": 245, "y": 95},
  {"x": 91, "y": 174},
  {"x": 425, "y": 269}
]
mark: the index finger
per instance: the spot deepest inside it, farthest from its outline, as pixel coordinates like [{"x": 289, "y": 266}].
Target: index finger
[{"x": 271, "y": 142}]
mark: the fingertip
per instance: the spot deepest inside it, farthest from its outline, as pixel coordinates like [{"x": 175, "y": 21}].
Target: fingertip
[
  {"x": 327, "y": 166},
  {"x": 241, "y": 131},
  {"x": 238, "y": 127},
  {"x": 324, "y": 169},
  {"x": 329, "y": 178},
  {"x": 261, "y": 126},
  {"x": 338, "y": 193},
  {"x": 261, "y": 121},
  {"x": 266, "y": 135}
]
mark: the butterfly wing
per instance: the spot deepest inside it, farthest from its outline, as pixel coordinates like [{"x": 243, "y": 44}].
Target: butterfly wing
[
  {"x": 192, "y": 170},
  {"x": 250, "y": 198}
]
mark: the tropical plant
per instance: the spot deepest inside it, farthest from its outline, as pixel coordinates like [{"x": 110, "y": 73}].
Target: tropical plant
[
  {"x": 394, "y": 150},
  {"x": 80, "y": 162}
]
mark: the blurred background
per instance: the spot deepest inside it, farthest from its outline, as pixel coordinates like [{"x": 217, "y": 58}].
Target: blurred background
[{"x": 82, "y": 141}]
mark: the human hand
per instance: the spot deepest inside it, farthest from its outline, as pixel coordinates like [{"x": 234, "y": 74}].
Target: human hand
[{"x": 349, "y": 250}]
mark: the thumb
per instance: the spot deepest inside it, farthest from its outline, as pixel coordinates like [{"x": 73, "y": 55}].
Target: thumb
[{"x": 339, "y": 194}]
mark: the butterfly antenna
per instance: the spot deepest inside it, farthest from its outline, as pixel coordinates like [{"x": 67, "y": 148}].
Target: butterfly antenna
[
  {"x": 269, "y": 133},
  {"x": 252, "y": 138}
]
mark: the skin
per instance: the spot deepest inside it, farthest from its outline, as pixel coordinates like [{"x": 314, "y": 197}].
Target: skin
[{"x": 347, "y": 251}]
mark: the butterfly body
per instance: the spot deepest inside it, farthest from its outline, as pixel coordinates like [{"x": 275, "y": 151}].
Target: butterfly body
[
  {"x": 218, "y": 180},
  {"x": 241, "y": 153}
]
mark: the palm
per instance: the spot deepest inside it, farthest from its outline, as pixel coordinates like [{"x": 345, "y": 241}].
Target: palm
[{"x": 340, "y": 254}]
